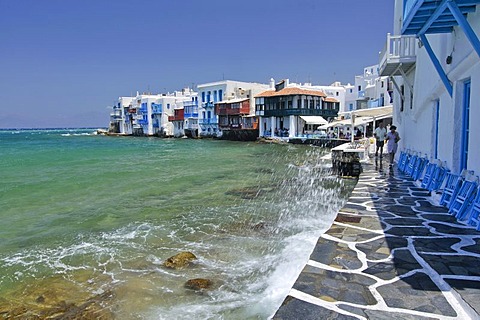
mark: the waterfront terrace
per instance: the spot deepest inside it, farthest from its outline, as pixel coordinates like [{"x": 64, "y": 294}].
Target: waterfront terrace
[{"x": 391, "y": 253}]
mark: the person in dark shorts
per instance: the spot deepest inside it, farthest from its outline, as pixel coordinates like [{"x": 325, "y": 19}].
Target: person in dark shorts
[{"x": 380, "y": 135}]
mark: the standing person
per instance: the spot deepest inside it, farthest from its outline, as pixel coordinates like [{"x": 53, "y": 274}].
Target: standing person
[
  {"x": 380, "y": 135},
  {"x": 392, "y": 137}
]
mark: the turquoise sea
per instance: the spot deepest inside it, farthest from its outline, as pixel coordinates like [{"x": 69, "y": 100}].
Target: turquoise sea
[{"x": 89, "y": 218}]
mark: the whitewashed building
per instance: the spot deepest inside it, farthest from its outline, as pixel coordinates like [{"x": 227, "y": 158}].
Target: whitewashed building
[
  {"x": 222, "y": 91},
  {"x": 373, "y": 90},
  {"x": 290, "y": 109},
  {"x": 153, "y": 111},
  {"x": 121, "y": 116},
  {"x": 433, "y": 59}
]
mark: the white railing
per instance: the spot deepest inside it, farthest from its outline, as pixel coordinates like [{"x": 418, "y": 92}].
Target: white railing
[{"x": 399, "y": 47}]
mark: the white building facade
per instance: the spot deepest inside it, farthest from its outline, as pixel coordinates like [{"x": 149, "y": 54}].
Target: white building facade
[
  {"x": 434, "y": 64},
  {"x": 214, "y": 92},
  {"x": 372, "y": 90},
  {"x": 289, "y": 109},
  {"x": 121, "y": 118}
]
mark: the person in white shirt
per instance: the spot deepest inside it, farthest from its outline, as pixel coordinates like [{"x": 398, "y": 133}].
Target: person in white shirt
[{"x": 380, "y": 135}]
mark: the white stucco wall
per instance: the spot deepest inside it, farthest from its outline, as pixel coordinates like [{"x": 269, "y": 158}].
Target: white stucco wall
[{"x": 417, "y": 124}]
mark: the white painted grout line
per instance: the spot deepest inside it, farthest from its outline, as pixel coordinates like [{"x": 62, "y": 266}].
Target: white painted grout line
[
  {"x": 322, "y": 303},
  {"x": 464, "y": 311}
]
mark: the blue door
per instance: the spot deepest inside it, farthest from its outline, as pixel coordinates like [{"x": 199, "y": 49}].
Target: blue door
[{"x": 465, "y": 126}]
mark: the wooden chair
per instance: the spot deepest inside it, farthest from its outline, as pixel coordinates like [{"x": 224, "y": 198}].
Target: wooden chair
[
  {"x": 449, "y": 192},
  {"x": 427, "y": 178},
  {"x": 417, "y": 172},
  {"x": 403, "y": 160},
  {"x": 474, "y": 211},
  {"x": 463, "y": 199},
  {"x": 411, "y": 165}
]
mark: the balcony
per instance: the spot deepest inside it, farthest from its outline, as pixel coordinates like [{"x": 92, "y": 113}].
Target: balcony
[
  {"x": 433, "y": 16},
  {"x": 301, "y": 112},
  {"x": 398, "y": 55},
  {"x": 115, "y": 117},
  {"x": 212, "y": 121},
  {"x": 208, "y": 104},
  {"x": 223, "y": 111},
  {"x": 176, "y": 118},
  {"x": 190, "y": 111}
]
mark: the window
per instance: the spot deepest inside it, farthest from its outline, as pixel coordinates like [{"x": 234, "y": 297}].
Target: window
[
  {"x": 336, "y": 93},
  {"x": 209, "y": 114},
  {"x": 402, "y": 98},
  {"x": 209, "y": 93},
  {"x": 350, "y": 106},
  {"x": 203, "y": 96},
  {"x": 351, "y": 90},
  {"x": 215, "y": 98},
  {"x": 382, "y": 84},
  {"x": 299, "y": 103},
  {"x": 220, "y": 95},
  {"x": 168, "y": 105}
]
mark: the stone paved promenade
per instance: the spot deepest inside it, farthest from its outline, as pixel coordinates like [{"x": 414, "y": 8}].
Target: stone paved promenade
[{"x": 390, "y": 254}]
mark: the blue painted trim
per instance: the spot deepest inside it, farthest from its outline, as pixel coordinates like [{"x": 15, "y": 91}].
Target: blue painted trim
[
  {"x": 465, "y": 125},
  {"x": 467, "y": 29},
  {"x": 437, "y": 121},
  {"x": 411, "y": 14},
  {"x": 437, "y": 65},
  {"x": 441, "y": 7}
]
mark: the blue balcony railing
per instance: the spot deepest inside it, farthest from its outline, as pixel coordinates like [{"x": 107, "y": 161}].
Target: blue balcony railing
[
  {"x": 208, "y": 121},
  {"x": 209, "y": 105},
  {"x": 157, "y": 108},
  {"x": 190, "y": 111},
  {"x": 373, "y": 103}
]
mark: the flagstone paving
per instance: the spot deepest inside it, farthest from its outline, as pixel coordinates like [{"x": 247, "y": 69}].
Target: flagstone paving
[{"x": 391, "y": 253}]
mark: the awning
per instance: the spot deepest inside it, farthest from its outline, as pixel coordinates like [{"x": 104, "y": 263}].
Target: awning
[
  {"x": 314, "y": 120},
  {"x": 359, "y": 121},
  {"x": 372, "y": 112}
]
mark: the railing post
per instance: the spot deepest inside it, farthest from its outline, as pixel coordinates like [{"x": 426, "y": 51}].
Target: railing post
[{"x": 388, "y": 50}]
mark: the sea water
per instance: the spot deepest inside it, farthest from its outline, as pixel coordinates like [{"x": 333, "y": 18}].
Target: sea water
[{"x": 83, "y": 214}]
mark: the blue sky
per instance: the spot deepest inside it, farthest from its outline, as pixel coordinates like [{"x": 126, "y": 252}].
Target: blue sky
[{"x": 63, "y": 62}]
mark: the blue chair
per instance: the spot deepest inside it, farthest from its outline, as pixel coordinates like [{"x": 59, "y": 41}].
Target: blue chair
[
  {"x": 417, "y": 172},
  {"x": 474, "y": 211},
  {"x": 411, "y": 165},
  {"x": 452, "y": 185},
  {"x": 437, "y": 179},
  {"x": 403, "y": 161},
  {"x": 427, "y": 178},
  {"x": 463, "y": 200}
]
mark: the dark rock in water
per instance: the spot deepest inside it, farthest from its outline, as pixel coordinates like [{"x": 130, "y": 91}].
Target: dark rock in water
[
  {"x": 90, "y": 309},
  {"x": 199, "y": 284},
  {"x": 259, "y": 226},
  {"x": 180, "y": 260},
  {"x": 245, "y": 193}
]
